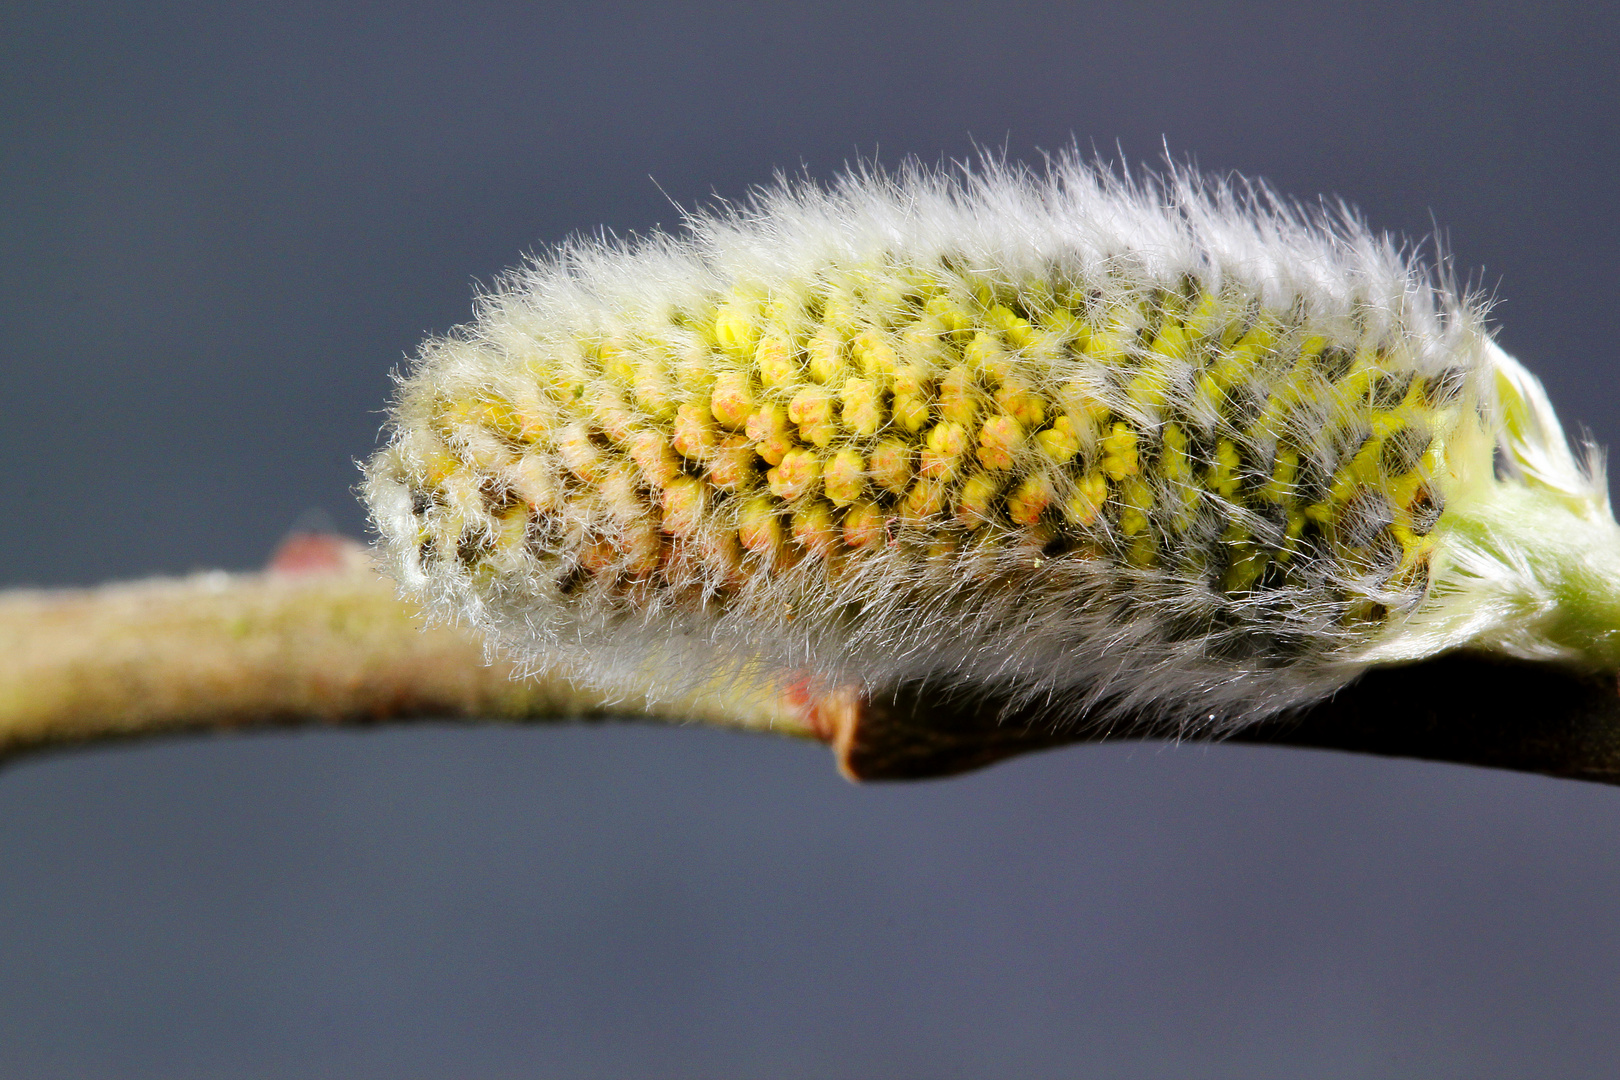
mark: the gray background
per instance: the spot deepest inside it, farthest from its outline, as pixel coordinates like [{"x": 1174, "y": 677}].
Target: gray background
[{"x": 221, "y": 229}]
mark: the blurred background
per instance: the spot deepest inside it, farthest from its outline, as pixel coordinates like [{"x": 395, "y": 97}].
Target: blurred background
[{"x": 224, "y": 225}]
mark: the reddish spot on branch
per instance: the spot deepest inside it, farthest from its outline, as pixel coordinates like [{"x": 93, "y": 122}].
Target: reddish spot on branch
[{"x": 315, "y": 553}]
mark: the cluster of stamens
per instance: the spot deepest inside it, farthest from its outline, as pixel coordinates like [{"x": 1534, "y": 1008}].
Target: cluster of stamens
[{"x": 926, "y": 412}]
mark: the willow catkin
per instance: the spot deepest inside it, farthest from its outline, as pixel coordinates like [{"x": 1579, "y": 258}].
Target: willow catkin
[{"x": 1165, "y": 447}]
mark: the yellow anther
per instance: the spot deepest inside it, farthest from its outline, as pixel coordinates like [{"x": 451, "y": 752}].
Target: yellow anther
[
  {"x": 1030, "y": 499},
  {"x": 881, "y": 293},
  {"x": 1150, "y": 387},
  {"x": 1000, "y": 439},
  {"x": 1107, "y": 348},
  {"x": 1359, "y": 472},
  {"x": 1206, "y": 316},
  {"x": 481, "y": 449},
  {"x": 528, "y": 416},
  {"x": 1261, "y": 337},
  {"x": 736, "y": 326},
  {"x": 1021, "y": 403},
  {"x": 1248, "y": 562},
  {"x": 1173, "y": 462},
  {"x": 778, "y": 366},
  {"x": 1181, "y": 496},
  {"x": 873, "y": 352},
  {"x": 910, "y": 411},
  {"x": 1355, "y": 392},
  {"x": 923, "y": 502},
  {"x": 1016, "y": 330},
  {"x": 1295, "y": 529},
  {"x": 578, "y": 452},
  {"x": 940, "y": 553},
  {"x": 652, "y": 389},
  {"x": 600, "y": 556},
  {"x": 946, "y": 444},
  {"x": 974, "y": 502},
  {"x": 890, "y": 466},
  {"x": 1403, "y": 489},
  {"x": 986, "y": 357},
  {"x": 1085, "y": 411},
  {"x": 1171, "y": 340},
  {"x": 845, "y": 477},
  {"x": 721, "y": 554},
  {"x": 923, "y": 341},
  {"x": 1143, "y": 552},
  {"x": 826, "y": 352},
  {"x": 654, "y": 456},
  {"x": 911, "y": 380},
  {"x": 732, "y": 464},
  {"x": 1237, "y": 363},
  {"x": 621, "y": 495},
  {"x": 692, "y": 362},
  {"x": 532, "y": 481},
  {"x": 783, "y": 310},
  {"x": 1044, "y": 350},
  {"x": 958, "y": 396},
  {"x": 839, "y": 310},
  {"x": 865, "y": 526},
  {"x": 1119, "y": 453},
  {"x": 694, "y": 432},
  {"x": 617, "y": 360},
  {"x": 434, "y": 459},
  {"x": 613, "y": 416},
  {"x": 863, "y": 407},
  {"x": 950, "y": 314},
  {"x": 814, "y": 530},
  {"x": 767, "y": 427},
  {"x": 1059, "y": 442},
  {"x": 1283, "y": 474},
  {"x": 732, "y": 400},
  {"x": 1136, "y": 499},
  {"x": 447, "y": 530},
  {"x": 1412, "y": 544},
  {"x": 1066, "y": 325},
  {"x": 1223, "y": 473},
  {"x": 798, "y": 474},
  {"x": 812, "y": 409},
  {"x": 1118, "y": 327},
  {"x": 461, "y": 494},
  {"x": 682, "y": 501},
  {"x": 1434, "y": 457},
  {"x": 1209, "y": 397},
  {"x": 1090, "y": 494},
  {"x": 759, "y": 528},
  {"x": 640, "y": 548},
  {"x": 509, "y": 532}
]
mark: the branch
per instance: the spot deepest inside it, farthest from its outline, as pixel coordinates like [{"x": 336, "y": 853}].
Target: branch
[
  {"x": 320, "y": 638},
  {"x": 1467, "y": 710}
]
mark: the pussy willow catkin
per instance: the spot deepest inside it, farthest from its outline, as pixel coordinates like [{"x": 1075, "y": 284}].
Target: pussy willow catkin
[{"x": 1163, "y": 447}]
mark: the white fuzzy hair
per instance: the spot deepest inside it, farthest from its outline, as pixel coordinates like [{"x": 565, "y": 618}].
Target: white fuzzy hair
[{"x": 1096, "y": 638}]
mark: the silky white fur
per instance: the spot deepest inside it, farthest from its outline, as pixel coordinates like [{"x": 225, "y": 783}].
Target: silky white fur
[{"x": 1096, "y": 638}]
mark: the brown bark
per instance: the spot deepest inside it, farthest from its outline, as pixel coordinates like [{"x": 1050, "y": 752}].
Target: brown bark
[{"x": 1465, "y": 709}]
